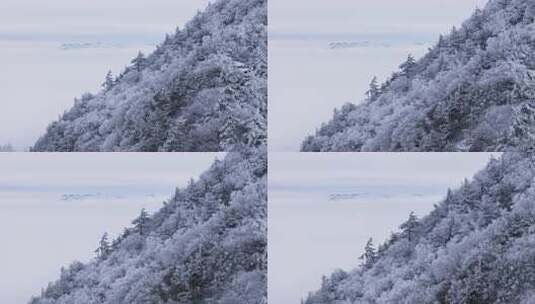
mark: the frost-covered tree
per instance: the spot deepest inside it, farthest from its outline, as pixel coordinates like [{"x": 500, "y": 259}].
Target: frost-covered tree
[
  {"x": 369, "y": 256},
  {"x": 407, "y": 67},
  {"x": 523, "y": 128},
  {"x": 374, "y": 90},
  {"x": 139, "y": 62},
  {"x": 108, "y": 81},
  {"x": 104, "y": 247},
  {"x": 475, "y": 246},
  {"x": 141, "y": 222},
  {"x": 473, "y": 91},
  {"x": 171, "y": 99},
  {"x": 207, "y": 244},
  {"x": 410, "y": 227}
]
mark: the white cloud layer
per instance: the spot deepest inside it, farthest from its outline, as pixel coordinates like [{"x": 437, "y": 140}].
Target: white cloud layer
[{"x": 107, "y": 17}]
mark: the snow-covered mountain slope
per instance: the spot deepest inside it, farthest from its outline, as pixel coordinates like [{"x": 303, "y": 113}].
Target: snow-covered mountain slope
[
  {"x": 206, "y": 245},
  {"x": 476, "y": 246},
  {"x": 473, "y": 91},
  {"x": 203, "y": 89}
]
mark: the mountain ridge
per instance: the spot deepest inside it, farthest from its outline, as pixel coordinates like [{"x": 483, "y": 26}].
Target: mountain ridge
[
  {"x": 473, "y": 91},
  {"x": 476, "y": 246},
  {"x": 207, "y": 244},
  {"x": 203, "y": 89}
]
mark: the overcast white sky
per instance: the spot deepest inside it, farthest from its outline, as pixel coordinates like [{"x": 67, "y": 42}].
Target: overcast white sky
[
  {"x": 310, "y": 236},
  {"x": 365, "y": 16},
  {"x": 30, "y": 18},
  {"x": 331, "y": 171},
  {"x": 41, "y": 233},
  {"x": 64, "y": 170}
]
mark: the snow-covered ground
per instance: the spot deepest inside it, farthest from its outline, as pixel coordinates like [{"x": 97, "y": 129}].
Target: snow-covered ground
[
  {"x": 311, "y": 235},
  {"x": 54, "y": 208}
]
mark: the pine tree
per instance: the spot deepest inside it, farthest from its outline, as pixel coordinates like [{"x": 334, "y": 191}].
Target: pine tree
[
  {"x": 369, "y": 256},
  {"x": 440, "y": 41},
  {"x": 139, "y": 62},
  {"x": 141, "y": 222},
  {"x": 409, "y": 228},
  {"x": 374, "y": 90},
  {"x": 242, "y": 122},
  {"x": 408, "y": 66},
  {"x": 177, "y": 139},
  {"x": 109, "y": 82},
  {"x": 523, "y": 130},
  {"x": 104, "y": 248},
  {"x": 157, "y": 124},
  {"x": 450, "y": 233},
  {"x": 167, "y": 39}
]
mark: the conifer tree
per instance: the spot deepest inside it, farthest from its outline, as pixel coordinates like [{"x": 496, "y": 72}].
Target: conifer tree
[
  {"x": 369, "y": 256},
  {"x": 139, "y": 61},
  {"x": 140, "y": 223},
  {"x": 523, "y": 129},
  {"x": 104, "y": 248},
  {"x": 109, "y": 82},
  {"x": 408, "y": 66},
  {"x": 374, "y": 90},
  {"x": 409, "y": 228}
]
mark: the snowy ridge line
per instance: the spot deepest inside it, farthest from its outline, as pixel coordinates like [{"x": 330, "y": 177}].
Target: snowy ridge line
[
  {"x": 475, "y": 246},
  {"x": 206, "y": 244},
  {"x": 204, "y": 88},
  {"x": 473, "y": 91}
]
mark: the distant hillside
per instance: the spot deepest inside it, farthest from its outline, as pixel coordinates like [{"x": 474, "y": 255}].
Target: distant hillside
[
  {"x": 207, "y": 244},
  {"x": 203, "y": 89},
  {"x": 473, "y": 91},
  {"x": 476, "y": 246}
]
